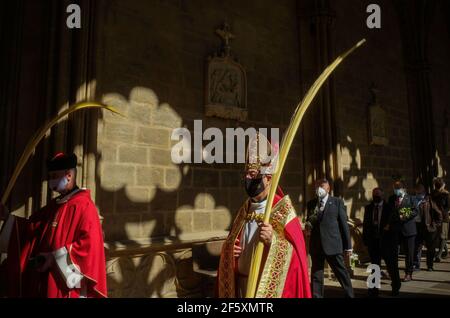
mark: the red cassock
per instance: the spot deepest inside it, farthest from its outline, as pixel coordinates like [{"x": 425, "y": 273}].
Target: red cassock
[
  {"x": 284, "y": 270},
  {"x": 71, "y": 230},
  {"x": 297, "y": 280}
]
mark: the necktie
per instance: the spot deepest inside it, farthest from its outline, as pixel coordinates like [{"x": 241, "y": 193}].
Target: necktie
[
  {"x": 397, "y": 202},
  {"x": 376, "y": 214},
  {"x": 320, "y": 214}
]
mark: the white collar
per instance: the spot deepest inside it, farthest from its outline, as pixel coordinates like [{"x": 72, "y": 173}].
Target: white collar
[
  {"x": 255, "y": 206},
  {"x": 325, "y": 198},
  {"x": 67, "y": 197}
]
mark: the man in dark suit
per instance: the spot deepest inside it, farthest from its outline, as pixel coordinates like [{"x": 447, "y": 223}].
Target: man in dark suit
[
  {"x": 431, "y": 220},
  {"x": 329, "y": 238},
  {"x": 380, "y": 235},
  {"x": 405, "y": 207},
  {"x": 441, "y": 198}
]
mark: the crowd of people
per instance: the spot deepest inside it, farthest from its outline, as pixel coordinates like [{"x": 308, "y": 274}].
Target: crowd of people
[
  {"x": 407, "y": 222},
  {"x": 58, "y": 251},
  {"x": 404, "y": 221}
]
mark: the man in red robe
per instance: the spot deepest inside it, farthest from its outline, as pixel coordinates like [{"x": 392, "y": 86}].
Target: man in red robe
[
  {"x": 58, "y": 252},
  {"x": 284, "y": 271}
]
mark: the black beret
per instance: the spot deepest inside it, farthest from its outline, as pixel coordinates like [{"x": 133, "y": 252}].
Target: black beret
[{"x": 62, "y": 161}]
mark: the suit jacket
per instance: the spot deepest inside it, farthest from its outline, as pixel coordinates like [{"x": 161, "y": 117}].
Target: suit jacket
[
  {"x": 408, "y": 226},
  {"x": 330, "y": 233},
  {"x": 442, "y": 200},
  {"x": 431, "y": 215},
  {"x": 388, "y": 228}
]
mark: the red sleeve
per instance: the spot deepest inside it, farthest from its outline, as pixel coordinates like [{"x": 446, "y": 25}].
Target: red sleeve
[
  {"x": 297, "y": 280},
  {"x": 276, "y": 199},
  {"x": 87, "y": 252}
]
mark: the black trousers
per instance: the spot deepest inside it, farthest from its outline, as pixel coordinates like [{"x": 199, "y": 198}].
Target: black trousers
[
  {"x": 409, "y": 243},
  {"x": 442, "y": 244},
  {"x": 337, "y": 265},
  {"x": 389, "y": 253},
  {"x": 431, "y": 240},
  {"x": 418, "y": 245}
]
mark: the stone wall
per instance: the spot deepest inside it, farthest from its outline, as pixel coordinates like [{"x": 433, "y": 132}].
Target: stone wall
[
  {"x": 151, "y": 65},
  {"x": 366, "y": 166},
  {"x": 151, "y": 58},
  {"x": 147, "y": 58},
  {"x": 439, "y": 50}
]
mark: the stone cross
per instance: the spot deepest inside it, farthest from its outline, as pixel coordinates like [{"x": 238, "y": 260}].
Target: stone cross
[
  {"x": 226, "y": 35},
  {"x": 374, "y": 92}
]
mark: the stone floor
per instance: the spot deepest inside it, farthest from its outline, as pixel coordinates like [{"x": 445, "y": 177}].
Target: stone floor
[{"x": 424, "y": 284}]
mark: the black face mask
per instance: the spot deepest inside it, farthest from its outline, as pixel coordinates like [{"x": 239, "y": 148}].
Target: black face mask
[
  {"x": 377, "y": 199},
  {"x": 253, "y": 187}
]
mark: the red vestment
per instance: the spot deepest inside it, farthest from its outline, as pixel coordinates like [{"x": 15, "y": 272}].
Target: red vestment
[
  {"x": 284, "y": 270},
  {"x": 71, "y": 230}
]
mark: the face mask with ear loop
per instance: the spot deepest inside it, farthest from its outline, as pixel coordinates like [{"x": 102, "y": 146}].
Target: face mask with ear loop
[
  {"x": 58, "y": 184},
  {"x": 254, "y": 187},
  {"x": 321, "y": 192}
]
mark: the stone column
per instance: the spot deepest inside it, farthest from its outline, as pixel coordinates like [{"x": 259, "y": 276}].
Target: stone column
[
  {"x": 71, "y": 79},
  {"x": 10, "y": 65},
  {"x": 319, "y": 131},
  {"x": 47, "y": 68},
  {"x": 83, "y": 138},
  {"x": 414, "y": 19}
]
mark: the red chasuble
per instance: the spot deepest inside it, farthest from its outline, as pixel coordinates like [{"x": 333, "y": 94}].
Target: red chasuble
[
  {"x": 70, "y": 229},
  {"x": 285, "y": 265}
]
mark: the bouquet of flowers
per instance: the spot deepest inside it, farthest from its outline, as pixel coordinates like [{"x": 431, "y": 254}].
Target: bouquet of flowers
[
  {"x": 312, "y": 219},
  {"x": 354, "y": 260},
  {"x": 405, "y": 213}
]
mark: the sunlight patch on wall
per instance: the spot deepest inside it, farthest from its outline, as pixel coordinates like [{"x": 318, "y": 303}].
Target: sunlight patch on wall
[
  {"x": 310, "y": 179},
  {"x": 203, "y": 217},
  {"x": 369, "y": 183},
  {"x": 300, "y": 198},
  {"x": 135, "y": 151},
  {"x": 346, "y": 159},
  {"x": 352, "y": 181},
  {"x": 441, "y": 172},
  {"x": 349, "y": 204},
  {"x": 358, "y": 159}
]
